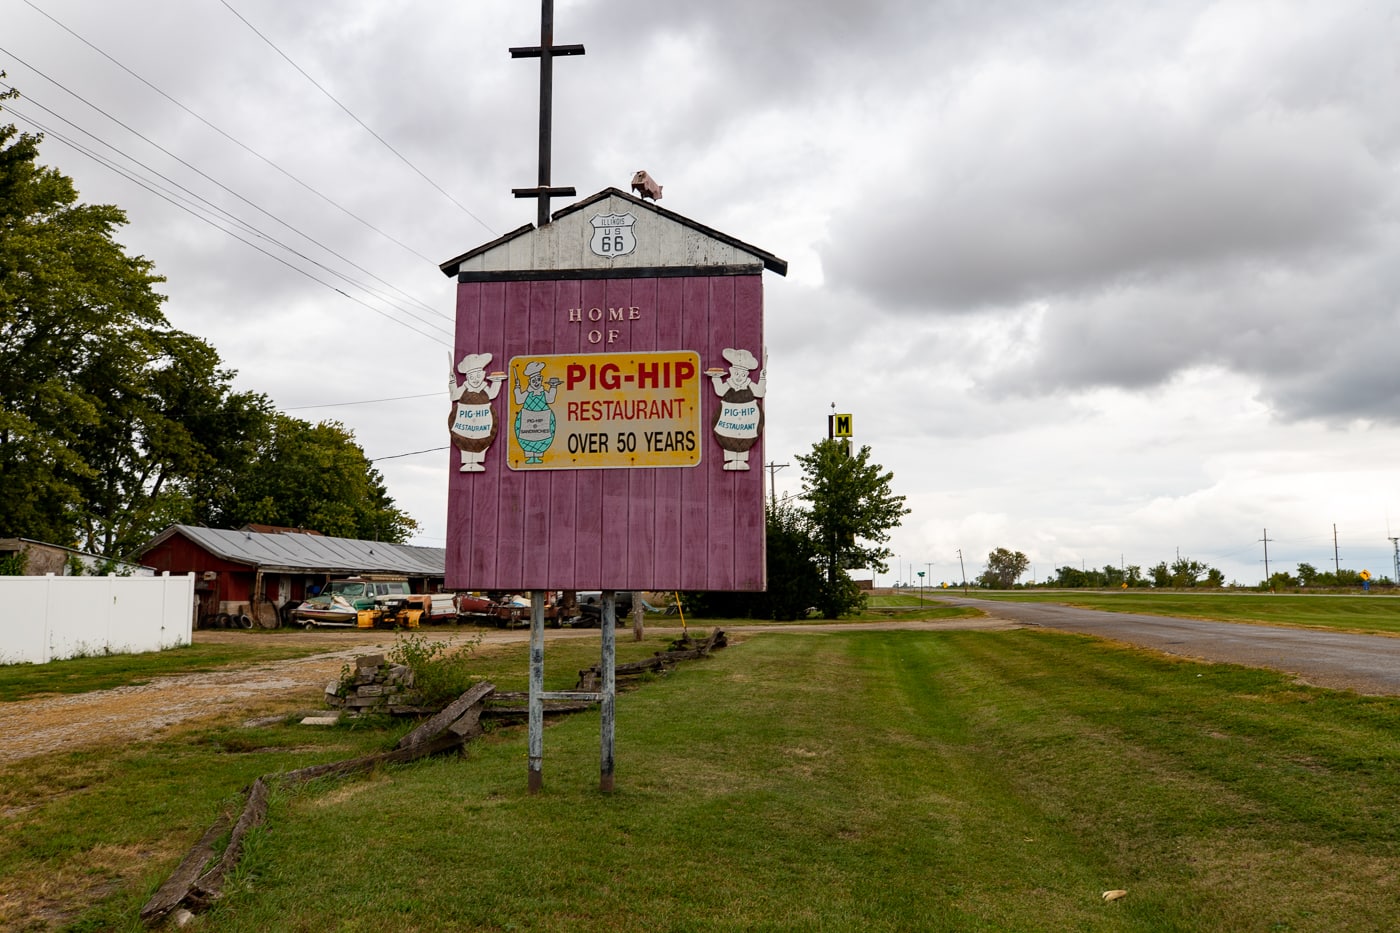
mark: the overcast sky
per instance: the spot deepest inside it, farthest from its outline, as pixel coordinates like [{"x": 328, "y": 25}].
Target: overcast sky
[{"x": 1100, "y": 282}]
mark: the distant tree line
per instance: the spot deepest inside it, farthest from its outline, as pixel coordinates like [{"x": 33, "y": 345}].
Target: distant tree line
[
  {"x": 1182, "y": 573},
  {"x": 1004, "y": 569},
  {"x": 116, "y": 424},
  {"x": 1310, "y": 576}
]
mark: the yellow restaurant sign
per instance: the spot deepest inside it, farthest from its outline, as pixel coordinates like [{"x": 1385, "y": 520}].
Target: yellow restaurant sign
[{"x": 604, "y": 410}]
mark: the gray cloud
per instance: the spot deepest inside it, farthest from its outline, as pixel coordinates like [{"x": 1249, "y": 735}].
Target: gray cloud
[{"x": 1019, "y": 231}]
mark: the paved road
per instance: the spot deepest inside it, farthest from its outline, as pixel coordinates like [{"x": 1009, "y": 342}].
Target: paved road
[{"x": 1364, "y": 663}]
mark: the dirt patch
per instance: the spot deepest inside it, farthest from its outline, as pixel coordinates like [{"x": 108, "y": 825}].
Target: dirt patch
[{"x": 125, "y": 714}]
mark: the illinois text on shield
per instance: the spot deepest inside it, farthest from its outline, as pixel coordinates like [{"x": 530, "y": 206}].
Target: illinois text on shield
[{"x": 612, "y": 235}]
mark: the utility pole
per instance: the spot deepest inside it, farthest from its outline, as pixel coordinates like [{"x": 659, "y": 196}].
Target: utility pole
[
  {"x": 546, "y": 52},
  {"x": 1336, "y": 559},
  {"x": 962, "y": 571},
  {"x": 1395, "y": 543},
  {"x": 1265, "y": 539},
  {"x": 772, "y": 468}
]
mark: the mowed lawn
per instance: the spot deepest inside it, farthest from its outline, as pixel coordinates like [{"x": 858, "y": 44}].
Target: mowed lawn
[{"x": 874, "y": 781}]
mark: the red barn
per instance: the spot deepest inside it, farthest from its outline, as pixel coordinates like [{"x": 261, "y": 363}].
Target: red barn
[{"x": 258, "y": 574}]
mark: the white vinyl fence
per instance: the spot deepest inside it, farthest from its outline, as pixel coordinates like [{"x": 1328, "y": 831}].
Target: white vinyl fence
[{"x": 49, "y": 618}]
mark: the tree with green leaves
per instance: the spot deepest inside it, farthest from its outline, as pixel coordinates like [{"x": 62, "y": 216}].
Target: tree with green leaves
[
  {"x": 162, "y": 441},
  {"x": 1184, "y": 573},
  {"x": 313, "y": 476},
  {"x": 1069, "y": 577},
  {"x": 114, "y": 423},
  {"x": 852, "y": 512},
  {"x": 80, "y": 323},
  {"x": 1004, "y": 568},
  {"x": 795, "y": 580}
]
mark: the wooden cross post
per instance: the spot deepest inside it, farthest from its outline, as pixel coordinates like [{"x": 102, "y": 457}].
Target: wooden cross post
[
  {"x": 545, "y": 52},
  {"x": 606, "y": 697}
]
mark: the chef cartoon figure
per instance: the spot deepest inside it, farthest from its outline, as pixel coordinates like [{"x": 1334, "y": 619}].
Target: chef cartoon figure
[
  {"x": 534, "y": 422},
  {"x": 473, "y": 423},
  {"x": 739, "y": 422}
]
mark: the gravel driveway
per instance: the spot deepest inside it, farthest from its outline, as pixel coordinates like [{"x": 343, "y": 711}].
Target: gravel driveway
[{"x": 33, "y": 727}]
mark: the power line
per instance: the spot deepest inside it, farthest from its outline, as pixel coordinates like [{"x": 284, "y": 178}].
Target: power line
[
  {"x": 176, "y": 200},
  {"x": 371, "y": 401},
  {"x": 411, "y": 453},
  {"x": 205, "y": 176},
  {"x": 352, "y": 116},
  {"x": 235, "y": 141},
  {"x": 193, "y": 212}
]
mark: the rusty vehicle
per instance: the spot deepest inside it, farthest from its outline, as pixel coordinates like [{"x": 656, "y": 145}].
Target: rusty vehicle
[{"x": 365, "y": 603}]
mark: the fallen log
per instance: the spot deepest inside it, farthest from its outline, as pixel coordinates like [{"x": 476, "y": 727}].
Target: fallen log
[
  {"x": 189, "y": 887},
  {"x": 590, "y": 677},
  {"x": 207, "y": 888},
  {"x": 448, "y": 716},
  {"x": 716, "y": 639},
  {"x": 368, "y": 762},
  {"x": 177, "y": 887}
]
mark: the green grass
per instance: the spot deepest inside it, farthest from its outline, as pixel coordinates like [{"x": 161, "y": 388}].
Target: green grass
[
  {"x": 833, "y": 781},
  {"x": 882, "y": 781},
  {"x": 102, "y": 672},
  {"x": 906, "y": 607},
  {"x": 86, "y": 836},
  {"x": 1376, "y": 614}
]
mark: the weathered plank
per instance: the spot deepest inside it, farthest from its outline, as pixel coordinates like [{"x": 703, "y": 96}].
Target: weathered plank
[
  {"x": 468, "y": 726},
  {"x": 588, "y": 678},
  {"x": 442, "y": 720},
  {"x": 194, "y": 886},
  {"x": 441, "y": 743},
  {"x": 177, "y": 887},
  {"x": 551, "y": 707},
  {"x": 211, "y": 883}
]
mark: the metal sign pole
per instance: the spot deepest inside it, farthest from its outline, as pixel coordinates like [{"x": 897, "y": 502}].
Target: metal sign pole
[
  {"x": 609, "y": 693},
  {"x": 536, "y": 765},
  {"x": 605, "y": 697}
]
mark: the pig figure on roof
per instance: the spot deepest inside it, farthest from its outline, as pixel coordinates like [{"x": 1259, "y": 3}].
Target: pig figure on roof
[{"x": 646, "y": 186}]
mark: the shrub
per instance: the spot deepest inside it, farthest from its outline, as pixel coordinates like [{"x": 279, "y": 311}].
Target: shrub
[{"x": 441, "y": 671}]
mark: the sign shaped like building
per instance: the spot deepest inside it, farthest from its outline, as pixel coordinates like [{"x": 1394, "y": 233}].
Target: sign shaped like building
[{"x": 607, "y": 405}]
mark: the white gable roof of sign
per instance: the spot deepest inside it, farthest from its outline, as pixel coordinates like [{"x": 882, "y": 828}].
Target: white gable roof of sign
[{"x": 612, "y": 233}]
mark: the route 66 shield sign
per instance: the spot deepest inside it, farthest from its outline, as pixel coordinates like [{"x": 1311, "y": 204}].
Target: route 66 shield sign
[{"x": 612, "y": 235}]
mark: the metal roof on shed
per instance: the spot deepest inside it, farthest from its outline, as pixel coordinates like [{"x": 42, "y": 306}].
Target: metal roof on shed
[{"x": 290, "y": 551}]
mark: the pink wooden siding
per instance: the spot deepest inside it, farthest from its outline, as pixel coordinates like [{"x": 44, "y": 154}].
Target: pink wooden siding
[{"x": 692, "y": 528}]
